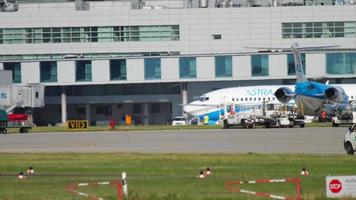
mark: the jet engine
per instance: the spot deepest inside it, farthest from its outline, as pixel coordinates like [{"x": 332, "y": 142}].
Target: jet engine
[
  {"x": 284, "y": 94},
  {"x": 335, "y": 94}
]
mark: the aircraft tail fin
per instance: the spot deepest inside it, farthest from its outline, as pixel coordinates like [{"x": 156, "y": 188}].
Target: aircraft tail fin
[{"x": 299, "y": 71}]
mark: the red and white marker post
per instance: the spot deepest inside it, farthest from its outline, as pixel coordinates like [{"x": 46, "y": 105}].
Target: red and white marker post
[
  {"x": 121, "y": 186},
  {"x": 231, "y": 186}
]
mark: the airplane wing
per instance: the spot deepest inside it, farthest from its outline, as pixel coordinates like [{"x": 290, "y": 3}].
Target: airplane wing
[
  {"x": 269, "y": 48},
  {"x": 318, "y": 47}
]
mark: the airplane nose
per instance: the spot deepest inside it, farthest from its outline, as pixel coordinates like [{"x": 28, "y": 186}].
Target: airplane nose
[{"x": 187, "y": 109}]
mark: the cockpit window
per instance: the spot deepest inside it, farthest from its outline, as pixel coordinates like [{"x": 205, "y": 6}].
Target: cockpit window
[{"x": 203, "y": 98}]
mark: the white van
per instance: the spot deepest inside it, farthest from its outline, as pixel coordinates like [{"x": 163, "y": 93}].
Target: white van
[
  {"x": 350, "y": 140},
  {"x": 177, "y": 121}
]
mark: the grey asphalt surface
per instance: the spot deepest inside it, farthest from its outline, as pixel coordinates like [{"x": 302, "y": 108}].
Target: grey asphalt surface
[{"x": 283, "y": 140}]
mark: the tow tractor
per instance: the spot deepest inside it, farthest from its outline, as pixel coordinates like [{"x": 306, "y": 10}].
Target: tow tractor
[
  {"x": 277, "y": 119},
  {"x": 237, "y": 119}
]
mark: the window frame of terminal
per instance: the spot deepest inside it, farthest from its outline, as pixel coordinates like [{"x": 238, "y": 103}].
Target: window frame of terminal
[
  {"x": 187, "y": 67},
  {"x": 48, "y": 71},
  {"x": 118, "y": 69},
  {"x": 320, "y": 29},
  {"x": 223, "y": 66},
  {"x": 260, "y": 61},
  {"x": 85, "y": 34},
  {"x": 152, "y": 68},
  {"x": 15, "y": 67},
  {"x": 83, "y": 70},
  {"x": 348, "y": 65}
]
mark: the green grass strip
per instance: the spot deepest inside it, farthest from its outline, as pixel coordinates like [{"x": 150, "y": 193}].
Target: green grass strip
[{"x": 166, "y": 176}]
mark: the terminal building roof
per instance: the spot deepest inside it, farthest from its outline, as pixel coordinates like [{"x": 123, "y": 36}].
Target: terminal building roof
[{"x": 145, "y": 4}]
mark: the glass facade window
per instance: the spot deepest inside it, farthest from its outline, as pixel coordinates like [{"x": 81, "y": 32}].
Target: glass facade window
[
  {"x": 89, "y": 34},
  {"x": 340, "y": 63},
  {"x": 18, "y": 57},
  {"x": 259, "y": 65},
  {"x": 48, "y": 71},
  {"x": 15, "y": 67},
  {"x": 155, "y": 108},
  {"x": 187, "y": 67},
  {"x": 344, "y": 29},
  {"x": 113, "y": 89},
  {"x": 83, "y": 70},
  {"x": 137, "y": 108},
  {"x": 290, "y": 62},
  {"x": 223, "y": 66},
  {"x": 118, "y": 69},
  {"x": 152, "y": 68}
]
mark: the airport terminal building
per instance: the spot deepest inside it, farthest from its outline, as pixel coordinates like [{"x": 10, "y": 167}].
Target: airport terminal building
[{"x": 103, "y": 59}]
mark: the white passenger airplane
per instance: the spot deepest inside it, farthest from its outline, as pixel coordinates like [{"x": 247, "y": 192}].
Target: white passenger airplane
[
  {"x": 212, "y": 103},
  {"x": 310, "y": 97}
]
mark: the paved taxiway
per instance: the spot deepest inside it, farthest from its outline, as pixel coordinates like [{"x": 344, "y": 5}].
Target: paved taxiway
[{"x": 286, "y": 140}]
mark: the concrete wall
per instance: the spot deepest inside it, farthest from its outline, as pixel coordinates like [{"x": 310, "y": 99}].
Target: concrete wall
[
  {"x": 66, "y": 72},
  {"x": 205, "y": 68},
  {"x": 135, "y": 70},
  {"x": 30, "y": 72},
  {"x": 5, "y": 77},
  {"x": 101, "y": 71},
  {"x": 316, "y": 65},
  {"x": 170, "y": 69}
]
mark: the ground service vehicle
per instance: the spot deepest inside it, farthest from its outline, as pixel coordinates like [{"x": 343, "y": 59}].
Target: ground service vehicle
[
  {"x": 277, "y": 120},
  {"x": 243, "y": 121},
  {"x": 350, "y": 140},
  {"x": 16, "y": 101},
  {"x": 3, "y": 121},
  {"x": 245, "y": 118},
  {"x": 21, "y": 121},
  {"x": 347, "y": 116},
  {"x": 267, "y": 115}
]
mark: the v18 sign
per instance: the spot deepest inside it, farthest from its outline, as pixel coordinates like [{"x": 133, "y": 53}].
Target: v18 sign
[{"x": 340, "y": 186}]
